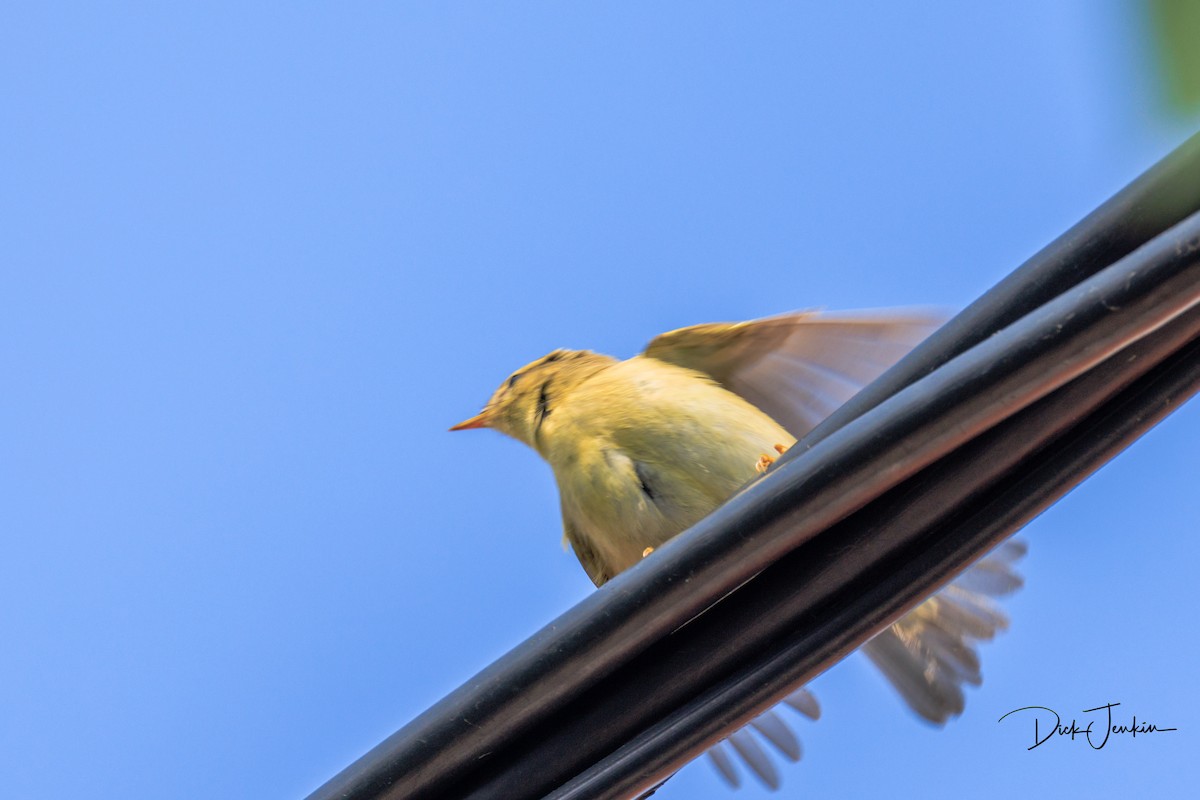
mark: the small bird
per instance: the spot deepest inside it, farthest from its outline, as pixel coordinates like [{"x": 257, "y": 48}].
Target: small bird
[{"x": 644, "y": 448}]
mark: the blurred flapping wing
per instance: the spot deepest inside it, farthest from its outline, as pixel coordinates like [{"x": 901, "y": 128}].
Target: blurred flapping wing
[{"x": 797, "y": 367}]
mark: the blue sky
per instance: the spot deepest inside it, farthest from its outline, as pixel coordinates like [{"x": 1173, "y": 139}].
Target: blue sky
[{"x": 257, "y": 258}]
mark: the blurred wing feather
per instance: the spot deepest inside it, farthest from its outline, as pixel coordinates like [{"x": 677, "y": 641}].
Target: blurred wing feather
[
  {"x": 929, "y": 653},
  {"x": 589, "y": 559},
  {"x": 803, "y": 701},
  {"x": 772, "y": 727},
  {"x": 797, "y": 367},
  {"x": 724, "y": 764},
  {"x": 776, "y": 731},
  {"x": 755, "y": 757}
]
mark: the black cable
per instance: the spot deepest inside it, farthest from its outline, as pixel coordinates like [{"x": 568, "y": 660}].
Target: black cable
[
  {"x": 504, "y": 733},
  {"x": 826, "y": 598},
  {"x": 832, "y": 568}
]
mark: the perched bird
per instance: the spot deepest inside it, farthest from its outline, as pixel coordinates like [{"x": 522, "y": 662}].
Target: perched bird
[{"x": 643, "y": 448}]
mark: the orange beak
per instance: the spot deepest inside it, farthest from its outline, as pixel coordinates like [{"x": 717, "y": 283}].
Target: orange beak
[{"x": 480, "y": 420}]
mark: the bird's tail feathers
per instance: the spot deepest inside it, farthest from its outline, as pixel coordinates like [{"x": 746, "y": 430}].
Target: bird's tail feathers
[{"x": 929, "y": 654}]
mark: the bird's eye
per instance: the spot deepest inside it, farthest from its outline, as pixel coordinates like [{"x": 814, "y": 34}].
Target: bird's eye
[{"x": 512, "y": 380}]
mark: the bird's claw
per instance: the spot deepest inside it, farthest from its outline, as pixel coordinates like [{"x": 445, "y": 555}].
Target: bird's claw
[{"x": 765, "y": 461}]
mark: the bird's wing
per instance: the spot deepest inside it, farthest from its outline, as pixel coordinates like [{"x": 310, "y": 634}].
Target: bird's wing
[
  {"x": 772, "y": 728},
  {"x": 797, "y": 367},
  {"x": 593, "y": 565},
  {"x": 929, "y": 653}
]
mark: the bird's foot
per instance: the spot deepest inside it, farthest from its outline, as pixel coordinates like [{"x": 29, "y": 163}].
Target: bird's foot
[
  {"x": 647, "y": 551},
  {"x": 765, "y": 461}
]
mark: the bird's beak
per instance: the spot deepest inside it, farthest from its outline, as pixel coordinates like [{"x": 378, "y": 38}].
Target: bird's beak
[{"x": 480, "y": 420}]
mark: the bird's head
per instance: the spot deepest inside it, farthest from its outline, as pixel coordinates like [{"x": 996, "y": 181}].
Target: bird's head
[{"x": 529, "y": 396}]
